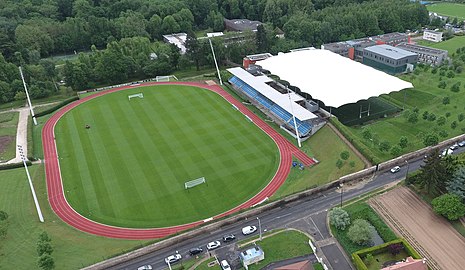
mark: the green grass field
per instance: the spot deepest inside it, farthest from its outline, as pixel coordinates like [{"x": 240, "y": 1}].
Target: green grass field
[
  {"x": 450, "y": 45},
  {"x": 73, "y": 249},
  {"x": 8, "y": 128},
  {"x": 130, "y": 167},
  {"x": 349, "y": 114},
  {"x": 448, "y": 9}
]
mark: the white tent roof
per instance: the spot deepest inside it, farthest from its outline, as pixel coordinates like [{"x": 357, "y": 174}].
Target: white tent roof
[
  {"x": 259, "y": 83},
  {"x": 331, "y": 78}
]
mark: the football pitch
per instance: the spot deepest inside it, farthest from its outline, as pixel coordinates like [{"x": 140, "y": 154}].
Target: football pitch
[{"x": 129, "y": 168}]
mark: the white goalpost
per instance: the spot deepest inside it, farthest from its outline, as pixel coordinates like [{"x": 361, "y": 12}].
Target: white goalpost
[
  {"x": 139, "y": 95},
  {"x": 195, "y": 182}
]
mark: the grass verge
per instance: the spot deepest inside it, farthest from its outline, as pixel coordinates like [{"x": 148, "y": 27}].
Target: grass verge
[{"x": 8, "y": 128}]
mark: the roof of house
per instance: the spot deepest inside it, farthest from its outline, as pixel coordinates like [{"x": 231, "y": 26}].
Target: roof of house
[
  {"x": 409, "y": 264},
  {"x": 251, "y": 253},
  {"x": 303, "y": 265},
  {"x": 242, "y": 24},
  {"x": 390, "y": 51},
  {"x": 331, "y": 78}
]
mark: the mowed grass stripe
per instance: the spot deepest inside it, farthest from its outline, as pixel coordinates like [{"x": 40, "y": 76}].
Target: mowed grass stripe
[{"x": 172, "y": 135}]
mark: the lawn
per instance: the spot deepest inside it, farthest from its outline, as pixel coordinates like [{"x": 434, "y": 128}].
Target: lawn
[
  {"x": 204, "y": 265},
  {"x": 428, "y": 98},
  {"x": 281, "y": 246},
  {"x": 380, "y": 259},
  {"x": 8, "y": 128},
  {"x": 450, "y": 45},
  {"x": 130, "y": 167},
  {"x": 451, "y": 10},
  {"x": 325, "y": 146},
  {"x": 361, "y": 210},
  {"x": 72, "y": 249}
]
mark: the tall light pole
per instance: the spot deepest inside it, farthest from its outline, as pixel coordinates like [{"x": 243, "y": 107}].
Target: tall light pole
[
  {"x": 216, "y": 63},
  {"x": 293, "y": 117},
  {"x": 23, "y": 158},
  {"x": 341, "y": 187},
  {"x": 260, "y": 228},
  {"x": 27, "y": 95}
]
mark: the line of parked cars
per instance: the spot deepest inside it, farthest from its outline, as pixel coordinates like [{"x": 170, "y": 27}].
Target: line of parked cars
[{"x": 210, "y": 246}]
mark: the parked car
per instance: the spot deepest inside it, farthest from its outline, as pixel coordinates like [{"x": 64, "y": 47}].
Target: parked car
[
  {"x": 461, "y": 144},
  {"x": 454, "y": 146},
  {"x": 395, "y": 169},
  {"x": 249, "y": 230},
  {"x": 229, "y": 238},
  {"x": 145, "y": 267},
  {"x": 225, "y": 265},
  {"x": 173, "y": 258},
  {"x": 447, "y": 152},
  {"x": 195, "y": 251},
  {"x": 213, "y": 245}
]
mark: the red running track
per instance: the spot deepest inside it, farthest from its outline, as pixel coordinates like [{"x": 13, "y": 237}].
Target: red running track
[{"x": 69, "y": 215}]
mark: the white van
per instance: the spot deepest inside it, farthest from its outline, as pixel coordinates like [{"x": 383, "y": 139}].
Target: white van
[{"x": 225, "y": 265}]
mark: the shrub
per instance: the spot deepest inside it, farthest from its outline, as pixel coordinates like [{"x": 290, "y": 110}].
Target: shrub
[
  {"x": 366, "y": 134},
  {"x": 445, "y": 100},
  {"x": 425, "y": 115},
  {"x": 442, "y": 84},
  {"x": 396, "y": 248},
  {"x": 455, "y": 87},
  {"x": 3, "y": 215},
  {"x": 403, "y": 142},
  {"x": 453, "y": 125},
  {"x": 352, "y": 164},
  {"x": 384, "y": 146},
  {"x": 447, "y": 114},
  {"x": 413, "y": 118},
  {"x": 369, "y": 258},
  {"x": 460, "y": 117},
  {"x": 430, "y": 139},
  {"x": 434, "y": 70},
  {"x": 46, "y": 262},
  {"x": 339, "y": 218},
  {"x": 441, "y": 121},
  {"x": 339, "y": 164},
  {"x": 44, "y": 248},
  {"x": 360, "y": 232},
  {"x": 449, "y": 205},
  {"x": 442, "y": 72},
  {"x": 443, "y": 133},
  {"x": 431, "y": 117},
  {"x": 395, "y": 150},
  {"x": 450, "y": 74},
  {"x": 345, "y": 155}
]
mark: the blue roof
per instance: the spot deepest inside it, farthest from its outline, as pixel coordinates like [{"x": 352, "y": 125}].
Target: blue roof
[
  {"x": 390, "y": 51},
  {"x": 251, "y": 253}
]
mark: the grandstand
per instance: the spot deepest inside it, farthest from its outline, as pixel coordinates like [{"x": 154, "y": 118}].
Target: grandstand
[{"x": 258, "y": 90}]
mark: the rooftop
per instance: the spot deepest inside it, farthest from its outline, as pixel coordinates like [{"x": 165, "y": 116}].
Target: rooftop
[
  {"x": 251, "y": 253},
  {"x": 390, "y": 36},
  {"x": 331, "y": 78},
  {"x": 390, "y": 51},
  {"x": 409, "y": 264},
  {"x": 242, "y": 24},
  {"x": 178, "y": 39},
  {"x": 419, "y": 48}
]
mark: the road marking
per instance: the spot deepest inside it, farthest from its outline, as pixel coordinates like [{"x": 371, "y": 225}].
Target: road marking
[{"x": 322, "y": 237}]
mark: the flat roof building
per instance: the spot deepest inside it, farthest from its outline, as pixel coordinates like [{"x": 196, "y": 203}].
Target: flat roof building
[
  {"x": 251, "y": 256},
  {"x": 434, "y": 36},
  {"x": 178, "y": 39},
  {"x": 389, "y": 59},
  {"x": 240, "y": 25},
  {"x": 426, "y": 55}
]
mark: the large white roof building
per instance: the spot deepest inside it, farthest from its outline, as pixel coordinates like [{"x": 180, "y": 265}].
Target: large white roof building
[{"x": 331, "y": 78}]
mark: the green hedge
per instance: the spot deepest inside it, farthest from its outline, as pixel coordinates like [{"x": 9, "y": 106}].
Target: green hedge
[
  {"x": 365, "y": 151},
  {"x": 14, "y": 165},
  {"x": 357, "y": 256},
  {"x": 56, "y": 107}
]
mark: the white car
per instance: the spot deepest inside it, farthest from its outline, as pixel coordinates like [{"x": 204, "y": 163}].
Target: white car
[
  {"x": 145, "y": 267},
  {"x": 454, "y": 146},
  {"x": 225, "y": 265},
  {"x": 173, "y": 258},
  {"x": 249, "y": 230},
  {"x": 461, "y": 144},
  {"x": 447, "y": 152},
  {"x": 395, "y": 169},
  {"x": 213, "y": 245}
]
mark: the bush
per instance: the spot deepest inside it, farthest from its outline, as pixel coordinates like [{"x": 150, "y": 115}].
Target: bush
[
  {"x": 395, "y": 248},
  {"x": 450, "y": 74},
  {"x": 413, "y": 118},
  {"x": 3, "y": 215},
  {"x": 384, "y": 146},
  {"x": 448, "y": 114},
  {"x": 455, "y": 87},
  {"x": 430, "y": 139},
  {"x": 449, "y": 205},
  {"x": 58, "y": 106},
  {"x": 361, "y": 232},
  {"x": 395, "y": 150},
  {"x": 460, "y": 117},
  {"x": 443, "y": 133},
  {"x": 339, "y": 164},
  {"x": 425, "y": 115},
  {"x": 403, "y": 142},
  {"x": 453, "y": 125},
  {"x": 442, "y": 84},
  {"x": 339, "y": 218},
  {"x": 441, "y": 121},
  {"x": 431, "y": 117},
  {"x": 345, "y": 155},
  {"x": 445, "y": 100}
]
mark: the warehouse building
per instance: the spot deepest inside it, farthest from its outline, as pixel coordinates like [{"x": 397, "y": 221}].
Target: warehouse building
[
  {"x": 389, "y": 59},
  {"x": 426, "y": 55}
]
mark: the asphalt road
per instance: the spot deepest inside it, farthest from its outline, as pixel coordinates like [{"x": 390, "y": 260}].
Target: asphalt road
[{"x": 273, "y": 219}]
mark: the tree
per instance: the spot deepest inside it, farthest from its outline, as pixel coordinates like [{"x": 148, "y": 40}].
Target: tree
[
  {"x": 395, "y": 150},
  {"x": 46, "y": 262},
  {"x": 345, "y": 155},
  {"x": 170, "y": 25},
  {"x": 430, "y": 139},
  {"x": 412, "y": 117},
  {"x": 456, "y": 185},
  {"x": 441, "y": 121},
  {"x": 43, "y": 237},
  {"x": 449, "y": 205},
  {"x": 360, "y": 232},
  {"x": 193, "y": 49},
  {"x": 366, "y": 134},
  {"x": 339, "y": 218},
  {"x": 174, "y": 56},
  {"x": 384, "y": 146},
  {"x": 433, "y": 174},
  {"x": 339, "y": 164},
  {"x": 262, "y": 41},
  {"x": 3, "y": 215},
  {"x": 403, "y": 142},
  {"x": 395, "y": 249},
  {"x": 44, "y": 248}
]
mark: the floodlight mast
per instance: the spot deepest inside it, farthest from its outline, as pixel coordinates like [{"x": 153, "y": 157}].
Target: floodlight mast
[
  {"x": 293, "y": 117},
  {"x": 27, "y": 95},
  {"x": 216, "y": 63}
]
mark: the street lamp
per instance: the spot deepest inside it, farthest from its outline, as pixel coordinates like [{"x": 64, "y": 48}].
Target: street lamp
[
  {"x": 23, "y": 158},
  {"x": 260, "y": 228},
  {"x": 341, "y": 185}
]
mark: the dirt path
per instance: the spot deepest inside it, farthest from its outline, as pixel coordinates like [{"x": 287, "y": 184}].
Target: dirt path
[
  {"x": 351, "y": 146},
  {"x": 431, "y": 235}
]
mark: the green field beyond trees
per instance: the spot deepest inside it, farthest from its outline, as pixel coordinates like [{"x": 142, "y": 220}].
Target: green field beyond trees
[
  {"x": 448, "y": 9},
  {"x": 130, "y": 167}
]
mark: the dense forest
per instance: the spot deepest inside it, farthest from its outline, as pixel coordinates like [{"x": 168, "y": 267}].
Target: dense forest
[{"x": 122, "y": 34}]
